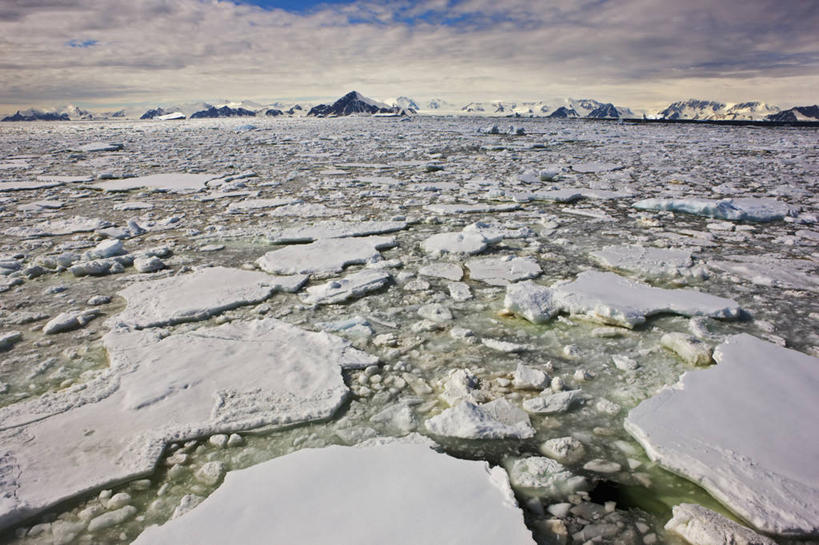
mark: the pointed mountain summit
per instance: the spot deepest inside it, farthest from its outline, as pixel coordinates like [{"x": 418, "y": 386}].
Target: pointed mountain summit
[
  {"x": 354, "y": 103},
  {"x": 797, "y": 113}
]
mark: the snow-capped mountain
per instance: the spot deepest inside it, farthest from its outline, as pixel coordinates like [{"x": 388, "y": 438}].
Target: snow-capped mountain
[
  {"x": 709, "y": 110},
  {"x": 404, "y": 102},
  {"x": 32, "y": 114},
  {"x": 797, "y": 113},
  {"x": 564, "y": 112},
  {"x": 354, "y": 103}
]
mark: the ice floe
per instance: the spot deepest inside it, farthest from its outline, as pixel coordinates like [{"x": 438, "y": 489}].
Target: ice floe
[
  {"x": 392, "y": 486},
  {"x": 701, "y": 526},
  {"x": 455, "y": 244},
  {"x": 760, "y": 209},
  {"x": 333, "y": 229},
  {"x": 494, "y": 420},
  {"x": 500, "y": 271},
  {"x": 648, "y": 262},
  {"x": 215, "y": 380},
  {"x": 175, "y": 183},
  {"x": 611, "y": 299},
  {"x": 742, "y": 429},
  {"x": 324, "y": 255},
  {"x": 351, "y": 286},
  {"x": 198, "y": 295}
]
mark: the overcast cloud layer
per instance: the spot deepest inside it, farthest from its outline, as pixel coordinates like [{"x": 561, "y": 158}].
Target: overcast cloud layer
[{"x": 639, "y": 53}]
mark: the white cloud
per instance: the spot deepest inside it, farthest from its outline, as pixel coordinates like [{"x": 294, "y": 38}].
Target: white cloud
[{"x": 633, "y": 52}]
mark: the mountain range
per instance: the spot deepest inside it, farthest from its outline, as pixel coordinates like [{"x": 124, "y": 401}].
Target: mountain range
[{"x": 354, "y": 103}]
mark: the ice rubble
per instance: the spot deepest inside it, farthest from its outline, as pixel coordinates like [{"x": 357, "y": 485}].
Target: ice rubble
[
  {"x": 611, "y": 299},
  {"x": 198, "y": 295},
  {"x": 699, "y": 525},
  {"x": 172, "y": 182},
  {"x": 743, "y": 430},
  {"x": 390, "y": 493},
  {"x": 324, "y": 255},
  {"x": 741, "y": 209},
  {"x": 544, "y": 477},
  {"x": 349, "y": 287},
  {"x": 214, "y": 380},
  {"x": 494, "y": 420}
]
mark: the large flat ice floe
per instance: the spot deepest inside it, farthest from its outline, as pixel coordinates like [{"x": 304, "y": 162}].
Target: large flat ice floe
[
  {"x": 745, "y": 430},
  {"x": 742, "y": 209},
  {"x": 198, "y": 296},
  {"x": 390, "y": 493},
  {"x": 173, "y": 182},
  {"x": 610, "y": 298},
  {"x": 699, "y": 525},
  {"x": 215, "y": 380},
  {"x": 325, "y": 255},
  {"x": 646, "y": 261},
  {"x": 334, "y": 229},
  {"x": 57, "y": 227}
]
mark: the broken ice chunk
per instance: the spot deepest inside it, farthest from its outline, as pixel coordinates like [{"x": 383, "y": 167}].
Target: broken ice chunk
[
  {"x": 349, "y": 287},
  {"x": 494, "y": 420},
  {"x": 700, "y": 525},
  {"x": 325, "y": 255},
  {"x": 500, "y": 271}
]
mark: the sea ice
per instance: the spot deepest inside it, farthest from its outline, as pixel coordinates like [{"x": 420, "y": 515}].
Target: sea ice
[
  {"x": 324, "y": 255},
  {"x": 457, "y": 244},
  {"x": 397, "y": 490},
  {"x": 500, "y": 271},
  {"x": 742, "y": 429},
  {"x": 452, "y": 209},
  {"x": 544, "y": 477},
  {"x": 334, "y": 229},
  {"x": 56, "y": 227},
  {"x": 646, "y": 261},
  {"x": 701, "y": 526},
  {"x": 609, "y": 298},
  {"x": 351, "y": 286},
  {"x": 494, "y": 420},
  {"x": 174, "y": 183},
  {"x": 198, "y": 295},
  {"x": 760, "y": 209},
  {"x": 216, "y": 380}
]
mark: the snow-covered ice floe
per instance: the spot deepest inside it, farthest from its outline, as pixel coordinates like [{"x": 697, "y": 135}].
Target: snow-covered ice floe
[
  {"x": 760, "y": 209},
  {"x": 172, "y": 182},
  {"x": 389, "y": 493},
  {"x": 57, "y": 227},
  {"x": 778, "y": 272},
  {"x": 215, "y": 380},
  {"x": 324, "y": 255},
  {"x": 699, "y": 525},
  {"x": 745, "y": 431},
  {"x": 609, "y": 298},
  {"x": 500, "y": 271},
  {"x": 645, "y": 261},
  {"x": 334, "y": 229},
  {"x": 198, "y": 295}
]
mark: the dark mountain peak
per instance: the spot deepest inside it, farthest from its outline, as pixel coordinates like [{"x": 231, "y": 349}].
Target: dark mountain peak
[
  {"x": 354, "y": 103},
  {"x": 224, "y": 111},
  {"x": 563, "y": 112}
]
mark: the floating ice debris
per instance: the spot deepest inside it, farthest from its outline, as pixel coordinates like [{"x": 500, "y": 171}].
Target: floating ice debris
[
  {"x": 495, "y": 231},
  {"x": 745, "y": 209},
  {"x": 699, "y": 525},
  {"x": 304, "y": 210},
  {"x": 334, "y": 229},
  {"x": 198, "y": 295},
  {"x": 529, "y": 378},
  {"x": 739, "y": 430},
  {"x": 448, "y": 209},
  {"x": 68, "y": 321},
  {"x": 456, "y": 244},
  {"x": 611, "y": 299},
  {"x": 174, "y": 183},
  {"x": 9, "y": 338},
  {"x": 56, "y": 227},
  {"x": 252, "y": 205},
  {"x": 595, "y": 167},
  {"x": 646, "y": 261},
  {"x": 99, "y": 146},
  {"x": 566, "y": 450},
  {"x": 325, "y": 255},
  {"x": 216, "y": 380},
  {"x": 543, "y": 477},
  {"x": 553, "y": 403},
  {"x": 497, "y": 419},
  {"x": 351, "y": 286},
  {"x": 771, "y": 271},
  {"x": 392, "y": 486},
  {"x": 435, "y": 312},
  {"x": 690, "y": 349},
  {"x": 458, "y": 386},
  {"x": 449, "y": 271},
  {"x": 500, "y": 271}
]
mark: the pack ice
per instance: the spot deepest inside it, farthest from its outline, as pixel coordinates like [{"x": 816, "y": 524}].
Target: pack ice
[
  {"x": 213, "y": 380},
  {"x": 743, "y": 430}
]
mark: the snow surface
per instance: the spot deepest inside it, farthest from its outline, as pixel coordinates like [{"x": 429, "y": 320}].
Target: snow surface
[
  {"x": 700, "y": 525},
  {"x": 215, "y": 380},
  {"x": 646, "y": 261},
  {"x": 392, "y": 493},
  {"x": 494, "y": 420},
  {"x": 743, "y": 430},
  {"x": 198, "y": 295}
]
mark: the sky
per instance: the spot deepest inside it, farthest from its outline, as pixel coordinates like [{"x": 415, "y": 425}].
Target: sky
[{"x": 644, "y": 54}]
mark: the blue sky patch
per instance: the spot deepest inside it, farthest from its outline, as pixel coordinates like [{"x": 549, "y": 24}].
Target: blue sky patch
[{"x": 82, "y": 43}]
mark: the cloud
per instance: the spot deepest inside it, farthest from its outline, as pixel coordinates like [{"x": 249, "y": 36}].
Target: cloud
[{"x": 641, "y": 51}]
